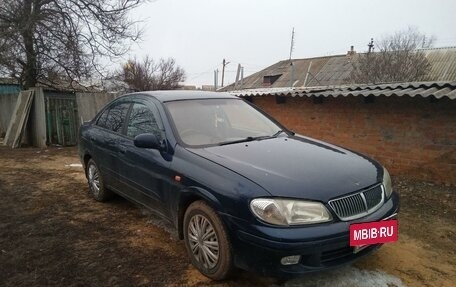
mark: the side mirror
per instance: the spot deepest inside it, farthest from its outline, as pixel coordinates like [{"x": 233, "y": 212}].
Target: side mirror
[{"x": 148, "y": 140}]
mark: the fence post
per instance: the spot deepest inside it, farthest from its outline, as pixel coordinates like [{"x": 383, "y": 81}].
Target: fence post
[{"x": 38, "y": 119}]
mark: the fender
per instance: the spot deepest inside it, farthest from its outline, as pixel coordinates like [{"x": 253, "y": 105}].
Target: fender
[{"x": 188, "y": 195}]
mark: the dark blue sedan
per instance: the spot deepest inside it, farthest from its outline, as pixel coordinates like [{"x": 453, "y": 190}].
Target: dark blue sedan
[{"x": 241, "y": 189}]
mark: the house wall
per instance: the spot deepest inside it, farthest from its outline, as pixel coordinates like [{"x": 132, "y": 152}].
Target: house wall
[{"x": 410, "y": 136}]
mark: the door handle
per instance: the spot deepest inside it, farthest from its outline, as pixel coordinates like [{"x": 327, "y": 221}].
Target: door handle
[{"x": 122, "y": 149}]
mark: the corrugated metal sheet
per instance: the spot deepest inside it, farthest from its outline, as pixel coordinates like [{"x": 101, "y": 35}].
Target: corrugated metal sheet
[
  {"x": 443, "y": 63},
  {"x": 335, "y": 70},
  {"x": 414, "y": 89},
  {"x": 300, "y": 68}
]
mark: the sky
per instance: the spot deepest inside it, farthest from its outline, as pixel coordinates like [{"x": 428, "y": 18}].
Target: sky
[{"x": 199, "y": 34}]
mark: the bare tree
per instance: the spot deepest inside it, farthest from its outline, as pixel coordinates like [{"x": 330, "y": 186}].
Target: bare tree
[
  {"x": 149, "y": 75},
  {"x": 398, "y": 59},
  {"x": 42, "y": 41}
]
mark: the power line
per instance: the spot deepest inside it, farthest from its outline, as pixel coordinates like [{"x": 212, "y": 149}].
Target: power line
[{"x": 202, "y": 73}]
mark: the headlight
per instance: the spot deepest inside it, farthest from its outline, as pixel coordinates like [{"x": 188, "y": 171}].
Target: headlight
[
  {"x": 289, "y": 212},
  {"x": 387, "y": 183}
]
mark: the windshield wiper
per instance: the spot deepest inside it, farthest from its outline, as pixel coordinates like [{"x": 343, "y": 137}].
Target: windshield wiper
[
  {"x": 277, "y": 133},
  {"x": 249, "y": 139}
]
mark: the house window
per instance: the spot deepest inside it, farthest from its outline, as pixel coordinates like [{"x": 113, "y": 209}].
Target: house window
[{"x": 269, "y": 80}]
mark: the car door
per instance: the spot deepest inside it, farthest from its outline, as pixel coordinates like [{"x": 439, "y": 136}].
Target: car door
[
  {"x": 105, "y": 138},
  {"x": 145, "y": 171}
]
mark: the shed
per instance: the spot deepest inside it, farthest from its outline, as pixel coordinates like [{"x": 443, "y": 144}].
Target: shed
[
  {"x": 56, "y": 113},
  {"x": 408, "y": 127}
]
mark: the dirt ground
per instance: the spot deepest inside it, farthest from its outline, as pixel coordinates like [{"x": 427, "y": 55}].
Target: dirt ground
[{"x": 53, "y": 234}]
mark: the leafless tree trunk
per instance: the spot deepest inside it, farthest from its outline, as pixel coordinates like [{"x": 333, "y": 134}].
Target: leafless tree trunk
[
  {"x": 147, "y": 75},
  {"x": 50, "y": 41},
  {"x": 398, "y": 59}
]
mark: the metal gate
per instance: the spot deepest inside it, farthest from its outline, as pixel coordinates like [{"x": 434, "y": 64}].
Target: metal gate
[{"x": 61, "y": 118}]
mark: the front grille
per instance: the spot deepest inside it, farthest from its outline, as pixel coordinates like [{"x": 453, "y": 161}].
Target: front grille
[{"x": 359, "y": 204}]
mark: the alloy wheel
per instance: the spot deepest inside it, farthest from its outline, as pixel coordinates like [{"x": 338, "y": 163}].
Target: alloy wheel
[
  {"x": 203, "y": 241},
  {"x": 94, "y": 180}
]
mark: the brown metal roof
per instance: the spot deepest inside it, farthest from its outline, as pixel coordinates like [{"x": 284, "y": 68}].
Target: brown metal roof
[
  {"x": 335, "y": 70},
  {"x": 413, "y": 89}
]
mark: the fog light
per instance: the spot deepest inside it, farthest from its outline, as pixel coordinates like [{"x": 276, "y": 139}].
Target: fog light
[{"x": 290, "y": 260}]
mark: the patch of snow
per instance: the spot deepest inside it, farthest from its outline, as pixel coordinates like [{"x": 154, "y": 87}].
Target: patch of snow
[
  {"x": 74, "y": 165},
  {"x": 346, "y": 277}
]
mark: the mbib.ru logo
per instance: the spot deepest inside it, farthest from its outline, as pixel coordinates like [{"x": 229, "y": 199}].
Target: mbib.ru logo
[{"x": 373, "y": 232}]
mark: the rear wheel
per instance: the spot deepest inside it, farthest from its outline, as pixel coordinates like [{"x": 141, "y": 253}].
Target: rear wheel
[
  {"x": 96, "y": 186},
  {"x": 207, "y": 241}
]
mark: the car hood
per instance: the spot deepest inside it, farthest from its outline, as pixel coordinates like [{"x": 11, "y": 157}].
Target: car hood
[{"x": 297, "y": 167}]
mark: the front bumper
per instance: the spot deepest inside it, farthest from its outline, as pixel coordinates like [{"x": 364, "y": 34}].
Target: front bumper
[{"x": 260, "y": 248}]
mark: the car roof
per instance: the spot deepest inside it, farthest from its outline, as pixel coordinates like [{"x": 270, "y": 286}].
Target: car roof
[{"x": 177, "y": 95}]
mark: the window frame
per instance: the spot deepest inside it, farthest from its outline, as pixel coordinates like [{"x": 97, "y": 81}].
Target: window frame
[
  {"x": 155, "y": 112},
  {"x": 108, "y": 110}
]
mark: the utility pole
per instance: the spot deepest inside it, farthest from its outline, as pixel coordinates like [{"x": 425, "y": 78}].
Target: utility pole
[
  {"x": 237, "y": 76},
  {"x": 223, "y": 71},
  {"x": 216, "y": 79},
  {"x": 292, "y": 43},
  {"x": 242, "y": 76},
  {"x": 291, "y": 62},
  {"x": 371, "y": 45}
]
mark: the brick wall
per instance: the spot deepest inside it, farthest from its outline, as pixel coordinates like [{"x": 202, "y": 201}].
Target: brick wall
[{"x": 410, "y": 136}]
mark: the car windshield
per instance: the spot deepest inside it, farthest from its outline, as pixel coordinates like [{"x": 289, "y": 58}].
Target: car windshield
[{"x": 205, "y": 122}]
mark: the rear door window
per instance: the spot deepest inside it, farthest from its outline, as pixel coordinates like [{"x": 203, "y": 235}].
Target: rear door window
[
  {"x": 101, "y": 122},
  {"x": 114, "y": 118}
]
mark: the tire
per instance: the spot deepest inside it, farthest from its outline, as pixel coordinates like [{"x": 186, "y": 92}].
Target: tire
[
  {"x": 97, "y": 189},
  {"x": 198, "y": 220}
]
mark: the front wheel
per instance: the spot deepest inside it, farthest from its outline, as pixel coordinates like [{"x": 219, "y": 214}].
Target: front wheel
[
  {"x": 96, "y": 186},
  {"x": 207, "y": 241}
]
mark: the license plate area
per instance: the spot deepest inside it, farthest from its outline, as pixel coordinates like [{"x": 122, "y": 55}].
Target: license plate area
[
  {"x": 359, "y": 248},
  {"x": 364, "y": 234}
]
